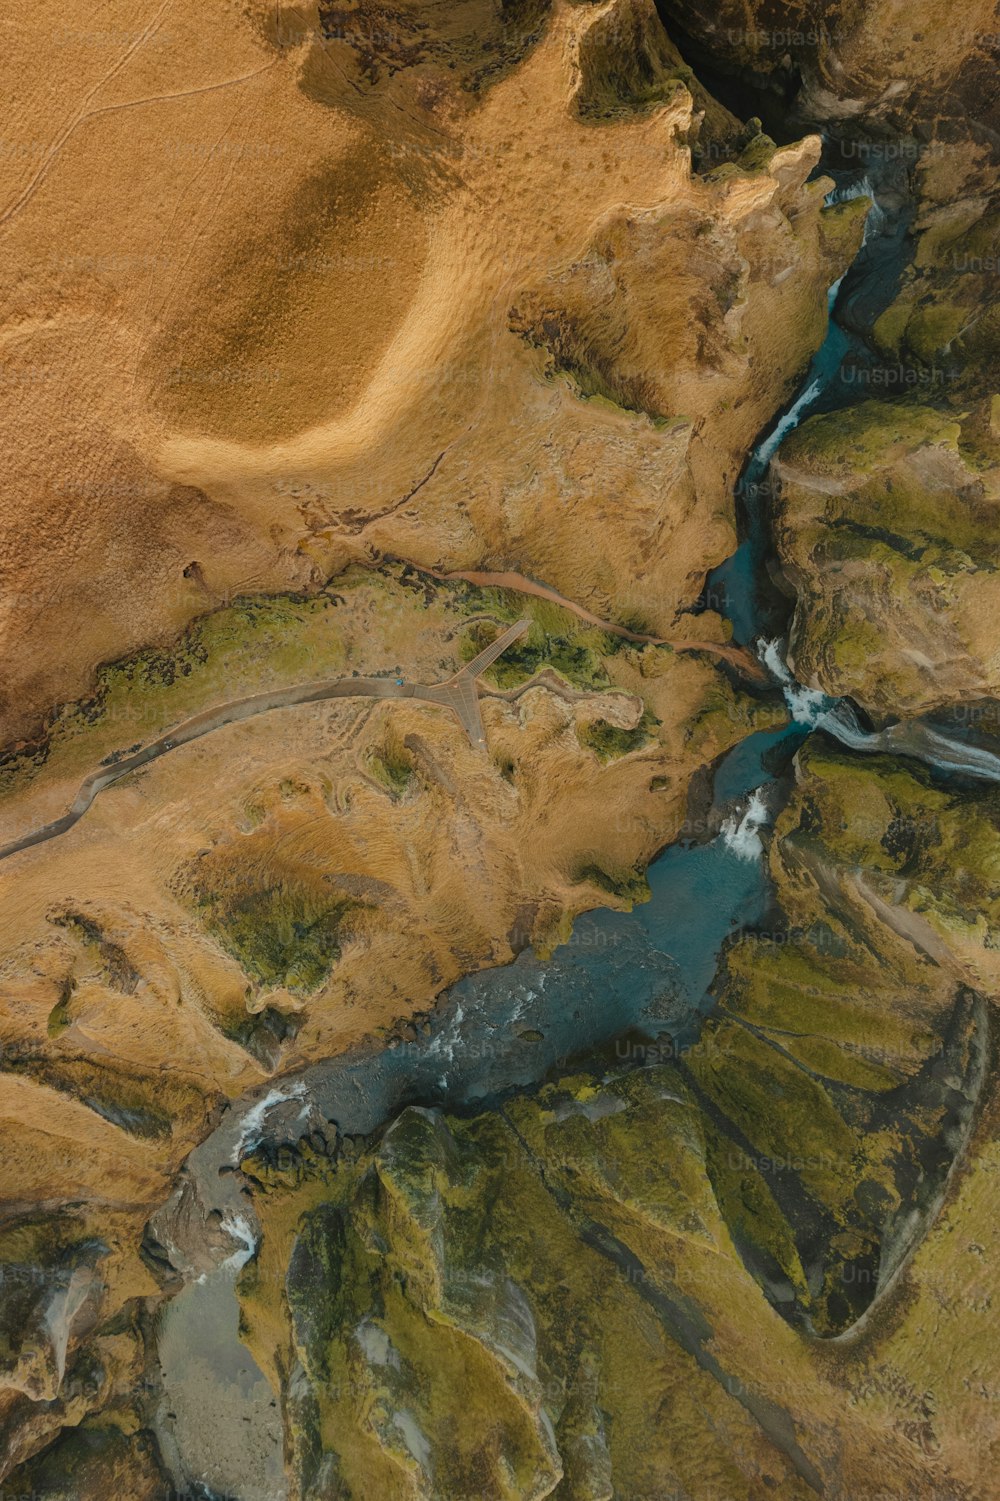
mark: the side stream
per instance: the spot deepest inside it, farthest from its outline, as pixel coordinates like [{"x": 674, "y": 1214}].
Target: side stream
[{"x": 623, "y": 982}]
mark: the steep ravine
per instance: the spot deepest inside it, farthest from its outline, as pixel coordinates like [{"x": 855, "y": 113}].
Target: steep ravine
[{"x": 647, "y": 975}]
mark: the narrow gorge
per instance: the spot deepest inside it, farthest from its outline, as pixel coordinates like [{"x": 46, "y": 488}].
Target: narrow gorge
[{"x": 585, "y": 1087}]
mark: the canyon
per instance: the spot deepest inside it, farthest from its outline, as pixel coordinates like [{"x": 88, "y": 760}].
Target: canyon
[{"x": 606, "y": 1108}]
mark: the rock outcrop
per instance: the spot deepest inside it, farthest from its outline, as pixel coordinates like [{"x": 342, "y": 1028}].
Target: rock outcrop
[{"x": 874, "y": 62}]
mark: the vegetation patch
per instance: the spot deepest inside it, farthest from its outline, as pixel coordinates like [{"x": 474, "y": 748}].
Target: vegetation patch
[
  {"x": 139, "y": 1106},
  {"x": 391, "y": 764},
  {"x": 283, "y": 921},
  {"x": 575, "y": 656},
  {"x": 280, "y": 934},
  {"x": 626, "y": 885},
  {"x": 609, "y": 741},
  {"x": 628, "y": 66},
  {"x": 59, "y": 1017}
]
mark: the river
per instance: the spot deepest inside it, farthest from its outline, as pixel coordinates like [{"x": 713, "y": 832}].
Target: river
[{"x": 634, "y": 985}]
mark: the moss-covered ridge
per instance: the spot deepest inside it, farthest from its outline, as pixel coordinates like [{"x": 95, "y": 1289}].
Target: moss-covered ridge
[
  {"x": 886, "y": 521},
  {"x": 845, "y": 1061},
  {"x": 556, "y": 1298},
  {"x": 488, "y": 1307}
]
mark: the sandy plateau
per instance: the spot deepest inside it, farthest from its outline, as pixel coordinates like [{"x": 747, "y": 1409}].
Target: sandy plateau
[{"x": 273, "y": 304}]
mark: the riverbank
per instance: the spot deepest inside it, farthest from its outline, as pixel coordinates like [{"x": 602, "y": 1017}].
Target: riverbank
[{"x": 784, "y": 1166}]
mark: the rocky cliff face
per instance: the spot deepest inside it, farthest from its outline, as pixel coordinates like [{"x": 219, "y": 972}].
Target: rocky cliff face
[
  {"x": 844, "y": 61},
  {"x": 887, "y": 524}
]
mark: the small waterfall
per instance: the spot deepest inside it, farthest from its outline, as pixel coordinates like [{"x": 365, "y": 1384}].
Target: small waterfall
[
  {"x": 741, "y": 831},
  {"x": 252, "y": 1129},
  {"x": 876, "y": 218},
  {"x": 952, "y": 755},
  {"x": 240, "y": 1229},
  {"x": 842, "y": 724},
  {"x": 790, "y": 421},
  {"x": 807, "y": 706},
  {"x": 915, "y": 739}
]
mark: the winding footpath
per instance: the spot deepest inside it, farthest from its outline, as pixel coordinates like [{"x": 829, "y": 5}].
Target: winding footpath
[
  {"x": 458, "y": 693},
  {"x": 737, "y": 656}
]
